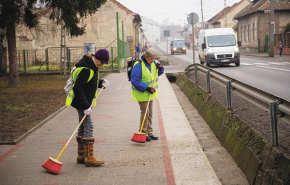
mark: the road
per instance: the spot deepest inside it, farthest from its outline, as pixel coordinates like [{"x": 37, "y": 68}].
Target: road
[{"x": 267, "y": 74}]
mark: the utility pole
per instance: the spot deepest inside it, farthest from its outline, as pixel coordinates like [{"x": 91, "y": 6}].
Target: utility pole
[
  {"x": 225, "y": 13},
  {"x": 202, "y": 27},
  {"x": 271, "y": 29}
]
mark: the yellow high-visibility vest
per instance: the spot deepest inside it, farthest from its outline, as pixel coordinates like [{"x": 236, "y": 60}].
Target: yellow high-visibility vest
[
  {"x": 71, "y": 94},
  {"x": 147, "y": 78}
]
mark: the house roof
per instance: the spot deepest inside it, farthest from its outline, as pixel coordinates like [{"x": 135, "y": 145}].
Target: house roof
[
  {"x": 128, "y": 11},
  {"x": 262, "y": 5},
  {"x": 219, "y": 15}
]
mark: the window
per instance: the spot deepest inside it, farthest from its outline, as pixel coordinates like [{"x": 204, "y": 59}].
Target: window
[
  {"x": 249, "y": 35},
  {"x": 253, "y": 31},
  {"x": 245, "y": 27},
  {"x": 241, "y": 33}
]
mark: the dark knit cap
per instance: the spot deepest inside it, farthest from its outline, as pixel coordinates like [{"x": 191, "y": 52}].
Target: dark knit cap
[{"x": 102, "y": 55}]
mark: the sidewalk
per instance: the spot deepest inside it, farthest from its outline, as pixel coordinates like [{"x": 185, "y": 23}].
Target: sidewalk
[{"x": 176, "y": 158}]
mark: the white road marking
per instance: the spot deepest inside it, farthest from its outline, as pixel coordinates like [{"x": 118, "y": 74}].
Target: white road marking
[
  {"x": 262, "y": 64},
  {"x": 274, "y": 68},
  {"x": 247, "y": 64},
  {"x": 274, "y": 63}
]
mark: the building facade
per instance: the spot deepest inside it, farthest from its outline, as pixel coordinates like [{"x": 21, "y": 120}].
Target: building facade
[
  {"x": 254, "y": 26},
  {"x": 101, "y": 29}
]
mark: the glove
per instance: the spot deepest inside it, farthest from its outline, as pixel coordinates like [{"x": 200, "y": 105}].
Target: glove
[
  {"x": 150, "y": 90},
  {"x": 88, "y": 111},
  {"x": 105, "y": 83},
  {"x": 159, "y": 66}
]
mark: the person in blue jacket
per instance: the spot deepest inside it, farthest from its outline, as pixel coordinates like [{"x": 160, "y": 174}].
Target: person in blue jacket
[
  {"x": 142, "y": 77},
  {"x": 138, "y": 50}
]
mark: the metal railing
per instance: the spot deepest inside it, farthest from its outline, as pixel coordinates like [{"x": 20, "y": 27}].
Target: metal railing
[{"x": 276, "y": 106}]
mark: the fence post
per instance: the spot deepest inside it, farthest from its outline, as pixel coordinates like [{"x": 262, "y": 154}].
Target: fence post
[
  {"x": 187, "y": 71},
  {"x": 195, "y": 74},
  {"x": 24, "y": 61},
  {"x": 35, "y": 57},
  {"x": 19, "y": 59},
  {"x": 208, "y": 81},
  {"x": 46, "y": 59},
  {"x": 118, "y": 41},
  {"x": 273, "y": 117},
  {"x": 229, "y": 95},
  {"x": 27, "y": 58},
  {"x": 112, "y": 58},
  {"x": 68, "y": 59}
]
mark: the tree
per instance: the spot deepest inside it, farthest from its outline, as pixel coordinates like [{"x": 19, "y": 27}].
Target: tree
[
  {"x": 287, "y": 29},
  {"x": 13, "y": 12},
  {"x": 3, "y": 54}
]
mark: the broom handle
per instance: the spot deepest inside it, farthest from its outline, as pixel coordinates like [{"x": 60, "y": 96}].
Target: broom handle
[
  {"x": 78, "y": 126},
  {"x": 148, "y": 103}
]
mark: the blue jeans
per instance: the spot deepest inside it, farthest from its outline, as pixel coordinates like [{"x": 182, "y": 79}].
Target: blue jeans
[{"x": 87, "y": 127}]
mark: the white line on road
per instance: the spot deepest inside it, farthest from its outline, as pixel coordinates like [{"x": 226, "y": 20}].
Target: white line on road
[
  {"x": 247, "y": 64},
  {"x": 263, "y": 64},
  {"x": 274, "y": 68},
  {"x": 275, "y": 63}
]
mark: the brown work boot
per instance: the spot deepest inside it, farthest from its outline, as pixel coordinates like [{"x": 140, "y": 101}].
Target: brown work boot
[
  {"x": 81, "y": 152},
  {"x": 90, "y": 159}
]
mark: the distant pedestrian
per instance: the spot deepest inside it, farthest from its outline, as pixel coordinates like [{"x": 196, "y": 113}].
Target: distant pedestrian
[
  {"x": 138, "y": 51},
  {"x": 144, "y": 49},
  {"x": 280, "y": 47},
  {"x": 188, "y": 45}
]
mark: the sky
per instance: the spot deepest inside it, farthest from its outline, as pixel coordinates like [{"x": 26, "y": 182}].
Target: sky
[{"x": 176, "y": 10}]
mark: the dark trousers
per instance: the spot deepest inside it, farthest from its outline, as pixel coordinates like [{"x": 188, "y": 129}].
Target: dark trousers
[{"x": 280, "y": 49}]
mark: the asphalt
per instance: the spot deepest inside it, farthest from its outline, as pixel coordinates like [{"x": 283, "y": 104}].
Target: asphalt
[{"x": 176, "y": 158}]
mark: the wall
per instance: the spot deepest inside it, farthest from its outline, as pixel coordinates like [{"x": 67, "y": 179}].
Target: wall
[
  {"x": 101, "y": 29},
  {"x": 260, "y": 30}
]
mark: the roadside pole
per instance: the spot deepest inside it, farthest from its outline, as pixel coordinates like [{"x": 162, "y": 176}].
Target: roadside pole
[
  {"x": 192, "y": 19},
  {"x": 167, "y": 33},
  {"x": 167, "y": 47},
  {"x": 272, "y": 31},
  {"x": 193, "y": 47}
]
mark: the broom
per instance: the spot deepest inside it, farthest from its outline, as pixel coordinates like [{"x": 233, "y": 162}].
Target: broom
[
  {"x": 140, "y": 137},
  {"x": 54, "y": 165}
]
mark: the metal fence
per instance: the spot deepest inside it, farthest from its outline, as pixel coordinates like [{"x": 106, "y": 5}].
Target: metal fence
[
  {"x": 48, "y": 60},
  {"x": 275, "y": 106}
]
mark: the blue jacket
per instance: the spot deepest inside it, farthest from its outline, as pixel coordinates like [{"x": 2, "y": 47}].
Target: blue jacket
[{"x": 136, "y": 75}]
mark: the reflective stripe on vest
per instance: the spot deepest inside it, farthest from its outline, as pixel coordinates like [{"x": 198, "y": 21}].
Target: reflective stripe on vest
[
  {"x": 147, "y": 78},
  {"x": 71, "y": 94}
]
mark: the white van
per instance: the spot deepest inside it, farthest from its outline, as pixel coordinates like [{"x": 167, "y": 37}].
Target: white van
[{"x": 218, "y": 46}]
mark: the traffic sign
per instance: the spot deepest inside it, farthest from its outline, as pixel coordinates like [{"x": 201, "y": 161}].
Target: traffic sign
[{"x": 195, "y": 18}]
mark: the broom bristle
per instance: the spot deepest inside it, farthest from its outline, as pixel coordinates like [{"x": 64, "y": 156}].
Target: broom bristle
[
  {"x": 52, "y": 165},
  {"x": 139, "y": 137}
]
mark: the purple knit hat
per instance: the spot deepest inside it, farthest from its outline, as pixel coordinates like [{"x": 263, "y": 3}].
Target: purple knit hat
[{"x": 102, "y": 55}]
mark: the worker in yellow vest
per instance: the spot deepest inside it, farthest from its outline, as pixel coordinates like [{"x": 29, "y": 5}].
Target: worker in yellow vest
[
  {"x": 142, "y": 78},
  {"x": 84, "y": 90}
]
